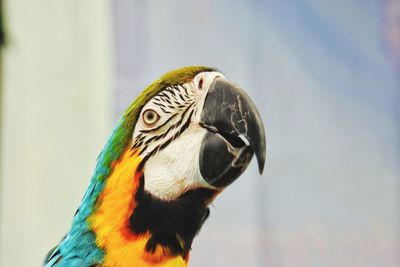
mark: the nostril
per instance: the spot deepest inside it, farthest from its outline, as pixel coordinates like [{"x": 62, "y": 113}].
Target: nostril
[{"x": 234, "y": 140}]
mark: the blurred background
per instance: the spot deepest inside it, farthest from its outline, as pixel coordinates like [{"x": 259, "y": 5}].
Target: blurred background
[{"x": 324, "y": 74}]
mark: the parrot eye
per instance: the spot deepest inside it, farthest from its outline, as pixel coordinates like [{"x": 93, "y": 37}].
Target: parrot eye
[{"x": 150, "y": 117}]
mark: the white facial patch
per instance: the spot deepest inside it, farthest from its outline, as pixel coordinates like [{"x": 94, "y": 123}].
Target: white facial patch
[{"x": 176, "y": 169}]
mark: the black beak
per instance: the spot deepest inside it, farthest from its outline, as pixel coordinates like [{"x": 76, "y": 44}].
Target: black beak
[{"x": 235, "y": 133}]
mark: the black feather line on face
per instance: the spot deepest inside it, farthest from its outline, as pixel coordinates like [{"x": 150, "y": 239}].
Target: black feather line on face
[
  {"x": 165, "y": 111},
  {"x": 172, "y": 224},
  {"x": 159, "y": 103},
  {"x": 181, "y": 98}
]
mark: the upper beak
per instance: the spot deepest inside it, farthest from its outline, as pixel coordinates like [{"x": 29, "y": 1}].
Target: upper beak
[{"x": 235, "y": 133}]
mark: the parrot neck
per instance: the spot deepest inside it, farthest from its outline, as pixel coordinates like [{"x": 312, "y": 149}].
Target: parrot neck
[{"x": 134, "y": 228}]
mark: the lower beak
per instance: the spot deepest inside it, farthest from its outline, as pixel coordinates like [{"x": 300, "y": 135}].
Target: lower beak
[{"x": 235, "y": 133}]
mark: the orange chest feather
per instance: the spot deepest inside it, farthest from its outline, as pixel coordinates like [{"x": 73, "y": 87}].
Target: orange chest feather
[{"x": 110, "y": 221}]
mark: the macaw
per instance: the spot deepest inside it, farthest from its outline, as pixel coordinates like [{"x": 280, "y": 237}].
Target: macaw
[{"x": 181, "y": 142}]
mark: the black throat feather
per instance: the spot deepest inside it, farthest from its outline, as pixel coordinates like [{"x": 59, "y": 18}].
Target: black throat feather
[{"x": 172, "y": 224}]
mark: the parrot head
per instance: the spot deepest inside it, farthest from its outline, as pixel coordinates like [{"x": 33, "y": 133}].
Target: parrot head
[
  {"x": 199, "y": 130},
  {"x": 182, "y": 141}
]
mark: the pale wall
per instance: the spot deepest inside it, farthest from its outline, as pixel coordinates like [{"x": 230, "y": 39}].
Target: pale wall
[{"x": 56, "y": 117}]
